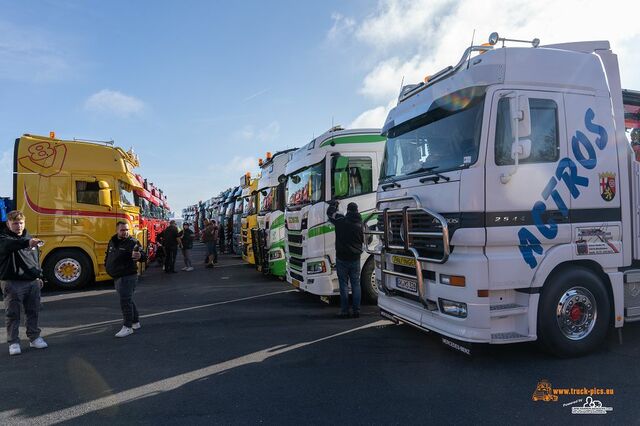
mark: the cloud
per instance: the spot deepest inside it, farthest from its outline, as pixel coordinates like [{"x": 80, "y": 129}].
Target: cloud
[
  {"x": 372, "y": 118},
  {"x": 114, "y": 102},
  {"x": 342, "y": 26},
  {"x": 402, "y": 21},
  {"x": 28, "y": 54},
  {"x": 413, "y": 38},
  {"x": 267, "y": 134}
]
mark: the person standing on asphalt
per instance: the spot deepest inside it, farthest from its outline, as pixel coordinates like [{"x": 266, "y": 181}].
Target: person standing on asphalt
[
  {"x": 210, "y": 238},
  {"x": 122, "y": 254},
  {"x": 170, "y": 243},
  {"x": 186, "y": 243},
  {"x": 349, "y": 242},
  {"x": 21, "y": 281}
]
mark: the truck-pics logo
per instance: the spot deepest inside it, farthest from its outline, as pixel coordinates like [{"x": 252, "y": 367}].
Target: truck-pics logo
[
  {"x": 607, "y": 186},
  {"x": 545, "y": 392},
  {"x": 44, "y": 159}
]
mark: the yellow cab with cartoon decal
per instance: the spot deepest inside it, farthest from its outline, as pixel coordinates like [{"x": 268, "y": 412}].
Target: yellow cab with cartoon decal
[{"x": 72, "y": 194}]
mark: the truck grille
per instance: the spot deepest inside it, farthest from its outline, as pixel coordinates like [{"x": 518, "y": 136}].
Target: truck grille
[
  {"x": 418, "y": 221},
  {"x": 296, "y": 263},
  {"x": 294, "y": 238},
  {"x": 295, "y": 250}
]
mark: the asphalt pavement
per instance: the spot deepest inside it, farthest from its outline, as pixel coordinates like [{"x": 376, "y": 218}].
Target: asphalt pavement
[{"x": 231, "y": 346}]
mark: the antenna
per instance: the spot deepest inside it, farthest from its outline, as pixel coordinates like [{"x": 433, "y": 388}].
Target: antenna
[
  {"x": 471, "y": 45},
  {"x": 401, "y": 83}
]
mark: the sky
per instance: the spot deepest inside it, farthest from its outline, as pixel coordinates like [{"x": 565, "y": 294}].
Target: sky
[{"x": 201, "y": 89}]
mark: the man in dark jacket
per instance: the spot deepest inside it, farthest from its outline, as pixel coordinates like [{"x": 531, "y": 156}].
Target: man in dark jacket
[
  {"x": 122, "y": 254},
  {"x": 170, "y": 243},
  {"x": 186, "y": 237},
  {"x": 349, "y": 242},
  {"x": 21, "y": 281}
]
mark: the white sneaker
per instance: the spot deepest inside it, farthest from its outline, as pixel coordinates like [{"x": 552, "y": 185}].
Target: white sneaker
[
  {"x": 14, "y": 349},
  {"x": 124, "y": 332},
  {"x": 136, "y": 326},
  {"x": 186, "y": 268},
  {"x": 39, "y": 343},
  {"x": 190, "y": 268}
]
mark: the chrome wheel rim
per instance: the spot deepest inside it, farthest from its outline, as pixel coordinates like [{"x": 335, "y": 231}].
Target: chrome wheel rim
[
  {"x": 67, "y": 270},
  {"x": 576, "y": 313}
]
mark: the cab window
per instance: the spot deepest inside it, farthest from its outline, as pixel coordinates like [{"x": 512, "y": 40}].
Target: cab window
[
  {"x": 545, "y": 147},
  {"x": 358, "y": 173},
  {"x": 87, "y": 192}
]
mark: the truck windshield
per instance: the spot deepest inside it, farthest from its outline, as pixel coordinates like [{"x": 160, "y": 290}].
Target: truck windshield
[
  {"x": 445, "y": 138},
  {"x": 267, "y": 199},
  {"x": 145, "y": 210},
  {"x": 305, "y": 186},
  {"x": 126, "y": 194}
]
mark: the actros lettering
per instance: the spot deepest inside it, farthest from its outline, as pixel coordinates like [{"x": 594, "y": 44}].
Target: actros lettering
[{"x": 566, "y": 173}]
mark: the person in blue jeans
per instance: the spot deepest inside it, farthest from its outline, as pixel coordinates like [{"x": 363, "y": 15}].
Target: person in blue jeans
[
  {"x": 121, "y": 262},
  {"x": 349, "y": 243}
]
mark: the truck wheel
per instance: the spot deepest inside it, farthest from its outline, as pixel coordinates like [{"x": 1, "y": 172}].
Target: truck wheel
[
  {"x": 574, "y": 312},
  {"x": 368, "y": 282},
  {"x": 68, "y": 269}
]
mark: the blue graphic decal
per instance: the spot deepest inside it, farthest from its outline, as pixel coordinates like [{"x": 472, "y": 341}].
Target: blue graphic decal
[{"x": 567, "y": 172}]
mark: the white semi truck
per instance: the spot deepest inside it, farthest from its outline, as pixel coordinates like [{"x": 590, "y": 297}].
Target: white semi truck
[
  {"x": 339, "y": 165},
  {"x": 509, "y": 180},
  {"x": 269, "y": 236}
]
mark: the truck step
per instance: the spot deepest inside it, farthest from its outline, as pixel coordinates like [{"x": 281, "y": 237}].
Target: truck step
[
  {"x": 632, "y": 314},
  {"x": 509, "y": 337},
  {"x": 507, "y": 309}
]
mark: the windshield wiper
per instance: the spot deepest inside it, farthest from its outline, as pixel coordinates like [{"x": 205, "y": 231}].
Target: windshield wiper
[{"x": 435, "y": 176}]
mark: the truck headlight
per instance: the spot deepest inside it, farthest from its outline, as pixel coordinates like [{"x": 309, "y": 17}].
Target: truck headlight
[
  {"x": 316, "y": 267},
  {"x": 455, "y": 309},
  {"x": 276, "y": 255}
]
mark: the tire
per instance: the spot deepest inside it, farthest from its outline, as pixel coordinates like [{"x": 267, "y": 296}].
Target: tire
[
  {"x": 68, "y": 269},
  {"x": 574, "y": 313},
  {"x": 368, "y": 282}
]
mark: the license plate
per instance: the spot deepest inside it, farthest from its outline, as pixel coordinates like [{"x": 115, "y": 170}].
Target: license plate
[
  {"x": 295, "y": 283},
  {"x": 407, "y": 285},
  {"x": 403, "y": 261}
]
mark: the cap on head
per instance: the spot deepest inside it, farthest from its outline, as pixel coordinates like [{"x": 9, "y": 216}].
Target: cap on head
[
  {"x": 172, "y": 222},
  {"x": 352, "y": 207}
]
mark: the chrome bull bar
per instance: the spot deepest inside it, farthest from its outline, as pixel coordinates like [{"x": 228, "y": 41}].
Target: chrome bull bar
[{"x": 406, "y": 233}]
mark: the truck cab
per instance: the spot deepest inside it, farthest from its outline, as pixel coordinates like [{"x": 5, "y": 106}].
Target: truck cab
[
  {"x": 341, "y": 165},
  {"x": 269, "y": 236},
  {"x": 506, "y": 199},
  {"x": 72, "y": 194},
  {"x": 250, "y": 203}
]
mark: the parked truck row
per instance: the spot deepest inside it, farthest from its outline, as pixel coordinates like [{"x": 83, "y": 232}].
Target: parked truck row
[{"x": 500, "y": 200}]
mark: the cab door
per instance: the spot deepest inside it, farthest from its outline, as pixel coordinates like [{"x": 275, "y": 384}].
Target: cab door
[
  {"x": 89, "y": 218},
  {"x": 527, "y": 207}
]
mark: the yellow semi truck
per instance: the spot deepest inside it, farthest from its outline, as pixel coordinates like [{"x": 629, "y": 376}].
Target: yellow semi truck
[
  {"x": 72, "y": 194},
  {"x": 251, "y": 202}
]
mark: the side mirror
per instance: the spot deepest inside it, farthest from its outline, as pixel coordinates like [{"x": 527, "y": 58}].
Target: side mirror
[
  {"x": 340, "y": 184},
  {"x": 522, "y": 149},
  {"x": 519, "y": 107},
  {"x": 104, "y": 194}
]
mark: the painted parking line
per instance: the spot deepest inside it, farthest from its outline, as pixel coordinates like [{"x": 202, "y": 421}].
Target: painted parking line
[
  {"x": 50, "y": 331},
  {"x": 170, "y": 383},
  {"x": 68, "y": 296}
]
